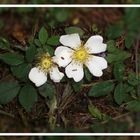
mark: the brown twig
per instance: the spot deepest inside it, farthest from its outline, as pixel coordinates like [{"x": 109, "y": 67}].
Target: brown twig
[
  {"x": 136, "y": 63},
  {"x": 92, "y": 84},
  {"x": 6, "y": 114}
]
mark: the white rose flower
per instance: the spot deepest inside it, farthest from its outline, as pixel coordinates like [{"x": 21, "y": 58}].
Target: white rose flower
[
  {"x": 46, "y": 65},
  {"x": 74, "y": 55}
]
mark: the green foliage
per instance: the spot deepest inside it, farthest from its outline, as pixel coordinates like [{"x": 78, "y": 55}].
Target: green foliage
[
  {"x": 119, "y": 69},
  {"x": 114, "y": 31},
  {"x": 101, "y": 89},
  {"x": 4, "y": 44},
  {"x": 71, "y": 30},
  {"x": 61, "y": 15},
  {"x": 129, "y": 25},
  {"x": 111, "y": 46},
  {"x": 133, "y": 79},
  {"x": 43, "y": 35},
  {"x": 50, "y": 50},
  {"x": 131, "y": 15},
  {"x": 57, "y": 16},
  {"x": 95, "y": 112},
  {"x": 110, "y": 127},
  {"x": 133, "y": 105},
  {"x": 119, "y": 93},
  {"x": 27, "y": 97},
  {"x": 53, "y": 40},
  {"x": 117, "y": 126},
  {"x": 88, "y": 75},
  {"x": 21, "y": 71},
  {"x": 31, "y": 53},
  {"x": 117, "y": 82},
  {"x": 37, "y": 42},
  {"x": 115, "y": 54},
  {"x": 8, "y": 91},
  {"x": 47, "y": 90},
  {"x": 12, "y": 58},
  {"x": 46, "y": 44},
  {"x": 77, "y": 86},
  {"x": 98, "y": 128},
  {"x": 129, "y": 40}
]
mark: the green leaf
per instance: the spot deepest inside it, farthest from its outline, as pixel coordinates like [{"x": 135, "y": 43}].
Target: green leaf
[
  {"x": 21, "y": 71},
  {"x": 132, "y": 79},
  {"x": 111, "y": 46},
  {"x": 37, "y": 42},
  {"x": 47, "y": 90},
  {"x": 118, "y": 71},
  {"x": 43, "y": 35},
  {"x": 54, "y": 40},
  {"x": 119, "y": 93},
  {"x": 12, "y": 59},
  {"x": 50, "y": 50},
  {"x": 129, "y": 88},
  {"x": 94, "y": 111},
  {"x": 73, "y": 29},
  {"x": 27, "y": 97},
  {"x": 133, "y": 105},
  {"x": 77, "y": 86},
  {"x": 118, "y": 56},
  {"x": 8, "y": 91},
  {"x": 101, "y": 89},
  {"x": 30, "y": 53},
  {"x": 129, "y": 40},
  {"x": 114, "y": 31},
  {"x": 88, "y": 75},
  {"x": 131, "y": 19}
]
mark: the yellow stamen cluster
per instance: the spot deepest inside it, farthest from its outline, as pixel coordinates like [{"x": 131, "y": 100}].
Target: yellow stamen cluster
[
  {"x": 81, "y": 54},
  {"x": 45, "y": 62}
]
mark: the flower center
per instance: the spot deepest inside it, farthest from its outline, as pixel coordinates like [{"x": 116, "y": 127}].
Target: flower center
[
  {"x": 81, "y": 54},
  {"x": 45, "y": 62}
]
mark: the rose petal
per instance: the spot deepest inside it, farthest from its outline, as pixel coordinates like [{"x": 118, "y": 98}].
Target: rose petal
[
  {"x": 56, "y": 75},
  {"x": 100, "y": 61},
  {"x": 71, "y": 40},
  {"x": 94, "y": 68},
  {"x": 62, "y": 56},
  {"x": 37, "y": 76},
  {"x": 95, "y": 44},
  {"x": 75, "y": 71}
]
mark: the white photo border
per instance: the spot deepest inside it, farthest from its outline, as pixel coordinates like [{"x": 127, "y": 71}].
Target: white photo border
[{"x": 69, "y": 6}]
